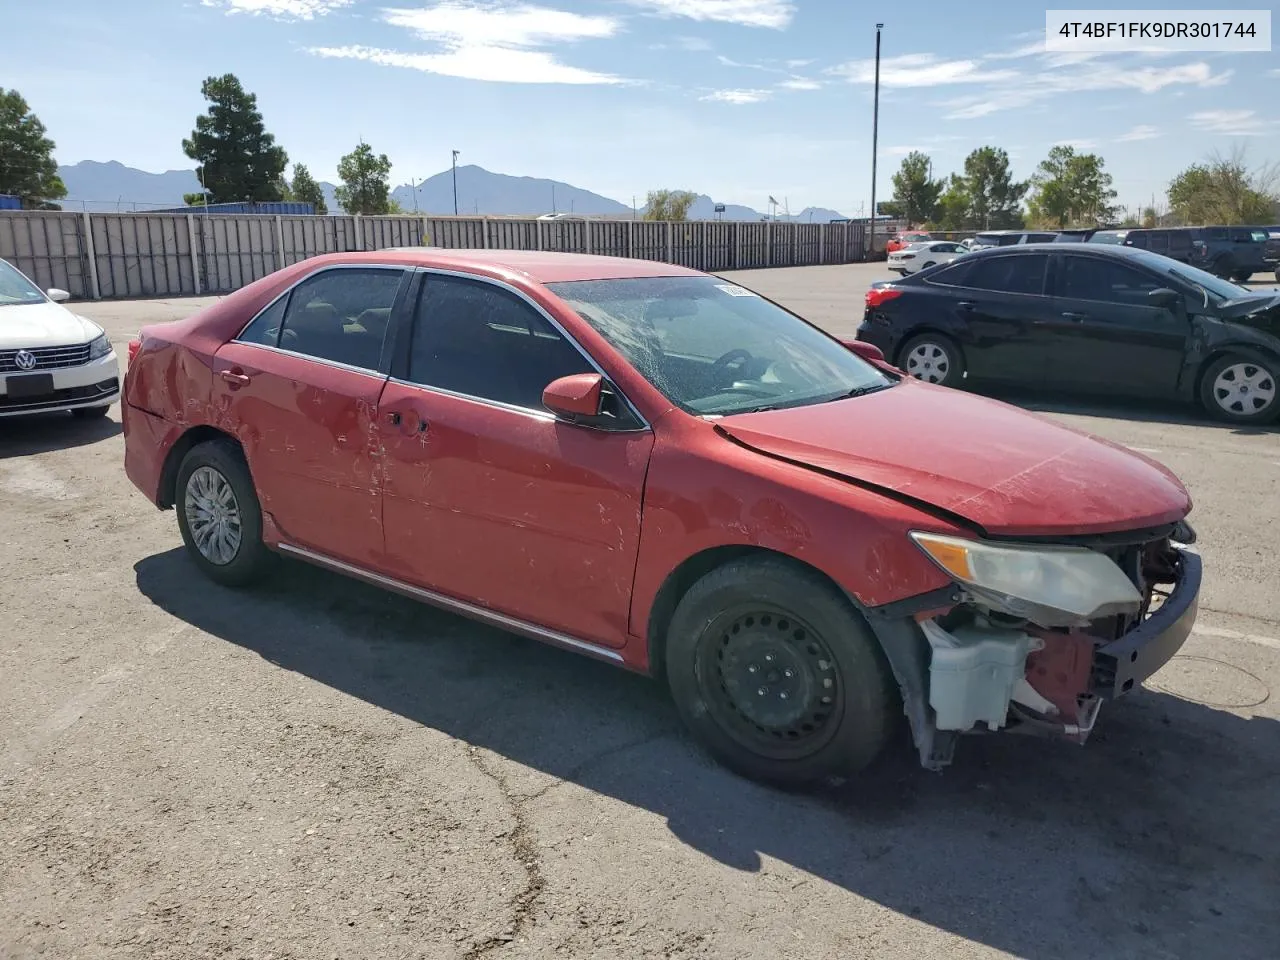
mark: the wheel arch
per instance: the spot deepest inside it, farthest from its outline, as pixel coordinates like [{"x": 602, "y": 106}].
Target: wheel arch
[
  {"x": 692, "y": 569},
  {"x": 166, "y": 496}
]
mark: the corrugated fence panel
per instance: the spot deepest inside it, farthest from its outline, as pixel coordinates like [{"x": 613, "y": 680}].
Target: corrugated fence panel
[
  {"x": 149, "y": 254},
  {"x": 46, "y": 247}
]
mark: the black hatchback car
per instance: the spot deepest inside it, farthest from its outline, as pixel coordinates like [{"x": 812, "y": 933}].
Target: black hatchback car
[{"x": 1085, "y": 317}]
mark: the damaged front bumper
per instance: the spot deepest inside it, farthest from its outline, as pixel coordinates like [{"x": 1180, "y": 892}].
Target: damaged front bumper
[{"x": 964, "y": 672}]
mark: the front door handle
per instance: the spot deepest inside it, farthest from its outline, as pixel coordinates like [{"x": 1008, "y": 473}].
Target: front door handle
[
  {"x": 237, "y": 378},
  {"x": 965, "y": 305},
  {"x": 1073, "y": 317}
]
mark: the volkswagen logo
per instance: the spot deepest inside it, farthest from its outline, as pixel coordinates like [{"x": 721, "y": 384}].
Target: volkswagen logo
[{"x": 25, "y": 360}]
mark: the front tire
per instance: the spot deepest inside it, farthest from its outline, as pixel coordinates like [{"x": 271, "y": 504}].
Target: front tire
[
  {"x": 933, "y": 358},
  {"x": 1242, "y": 389},
  {"x": 777, "y": 676},
  {"x": 219, "y": 515}
]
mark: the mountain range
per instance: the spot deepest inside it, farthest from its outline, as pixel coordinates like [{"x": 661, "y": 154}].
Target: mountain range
[{"x": 111, "y": 186}]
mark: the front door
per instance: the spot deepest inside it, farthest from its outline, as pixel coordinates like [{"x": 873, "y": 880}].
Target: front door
[
  {"x": 488, "y": 498},
  {"x": 1001, "y": 303},
  {"x": 1105, "y": 333},
  {"x": 300, "y": 386}
]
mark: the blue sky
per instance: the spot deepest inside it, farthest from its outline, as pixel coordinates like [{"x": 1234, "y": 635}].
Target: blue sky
[{"x": 740, "y": 99}]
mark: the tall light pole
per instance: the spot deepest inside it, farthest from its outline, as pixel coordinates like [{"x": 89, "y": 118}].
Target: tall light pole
[
  {"x": 414, "y": 187},
  {"x": 875, "y": 138},
  {"x": 455, "y": 182}
]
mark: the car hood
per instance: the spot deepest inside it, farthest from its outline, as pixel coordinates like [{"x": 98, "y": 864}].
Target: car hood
[
  {"x": 999, "y": 468},
  {"x": 1260, "y": 309},
  {"x": 28, "y": 325}
]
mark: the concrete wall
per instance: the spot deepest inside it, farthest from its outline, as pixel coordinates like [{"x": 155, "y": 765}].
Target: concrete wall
[{"x": 103, "y": 255}]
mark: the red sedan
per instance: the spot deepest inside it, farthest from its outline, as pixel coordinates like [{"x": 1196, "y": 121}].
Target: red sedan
[
  {"x": 664, "y": 470},
  {"x": 901, "y": 241}
]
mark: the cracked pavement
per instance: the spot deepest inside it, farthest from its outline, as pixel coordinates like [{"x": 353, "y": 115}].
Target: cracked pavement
[{"x": 319, "y": 769}]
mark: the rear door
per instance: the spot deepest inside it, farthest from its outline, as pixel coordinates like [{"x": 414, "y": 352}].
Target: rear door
[
  {"x": 999, "y": 301},
  {"x": 1106, "y": 335},
  {"x": 300, "y": 387}
]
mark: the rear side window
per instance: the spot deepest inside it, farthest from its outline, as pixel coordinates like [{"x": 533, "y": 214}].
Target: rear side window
[
  {"x": 1088, "y": 278},
  {"x": 952, "y": 275},
  {"x": 1009, "y": 274},
  {"x": 265, "y": 327},
  {"x": 1179, "y": 244},
  {"x": 1158, "y": 241},
  {"x": 341, "y": 315},
  {"x": 1138, "y": 238},
  {"x": 1215, "y": 233},
  {"x": 479, "y": 340}
]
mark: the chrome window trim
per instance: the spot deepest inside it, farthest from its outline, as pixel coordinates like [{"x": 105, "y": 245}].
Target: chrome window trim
[
  {"x": 555, "y": 324},
  {"x": 471, "y": 610},
  {"x": 337, "y": 365},
  {"x": 403, "y": 268}
]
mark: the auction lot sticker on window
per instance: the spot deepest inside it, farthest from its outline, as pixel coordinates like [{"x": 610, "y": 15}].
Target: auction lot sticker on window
[{"x": 1117, "y": 31}]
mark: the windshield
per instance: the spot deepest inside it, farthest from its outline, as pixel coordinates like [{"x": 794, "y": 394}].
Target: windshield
[
  {"x": 17, "y": 289},
  {"x": 715, "y": 348}
]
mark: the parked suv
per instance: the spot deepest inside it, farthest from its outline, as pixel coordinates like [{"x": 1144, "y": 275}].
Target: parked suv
[
  {"x": 1233, "y": 253},
  {"x": 1008, "y": 238}
]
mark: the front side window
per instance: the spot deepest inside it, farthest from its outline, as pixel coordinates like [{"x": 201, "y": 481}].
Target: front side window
[
  {"x": 480, "y": 340},
  {"x": 1009, "y": 274},
  {"x": 341, "y": 315},
  {"x": 1087, "y": 278},
  {"x": 16, "y": 289},
  {"x": 714, "y": 348}
]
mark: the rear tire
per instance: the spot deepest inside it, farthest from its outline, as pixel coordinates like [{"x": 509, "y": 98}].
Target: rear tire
[
  {"x": 1242, "y": 276},
  {"x": 777, "y": 676},
  {"x": 933, "y": 358},
  {"x": 90, "y": 413},
  {"x": 219, "y": 515},
  {"x": 1242, "y": 389}
]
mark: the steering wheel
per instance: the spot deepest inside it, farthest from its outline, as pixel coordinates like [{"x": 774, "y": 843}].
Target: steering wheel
[{"x": 741, "y": 356}]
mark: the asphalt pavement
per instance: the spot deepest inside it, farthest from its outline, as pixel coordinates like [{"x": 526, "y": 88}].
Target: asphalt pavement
[{"x": 319, "y": 769}]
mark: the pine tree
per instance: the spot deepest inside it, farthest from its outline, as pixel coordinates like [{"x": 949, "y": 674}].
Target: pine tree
[
  {"x": 27, "y": 167},
  {"x": 306, "y": 190},
  {"x": 238, "y": 159}
]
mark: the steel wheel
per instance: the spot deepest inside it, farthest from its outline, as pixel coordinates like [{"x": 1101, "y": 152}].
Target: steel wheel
[
  {"x": 929, "y": 362},
  {"x": 770, "y": 682},
  {"x": 213, "y": 515},
  {"x": 1244, "y": 389}
]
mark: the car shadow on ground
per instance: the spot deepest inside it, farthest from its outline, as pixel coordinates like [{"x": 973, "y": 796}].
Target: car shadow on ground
[
  {"x": 1140, "y": 411},
  {"x": 43, "y": 432},
  {"x": 1157, "y": 839}
]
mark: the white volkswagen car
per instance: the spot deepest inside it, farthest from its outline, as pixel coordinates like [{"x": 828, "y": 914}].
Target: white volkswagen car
[
  {"x": 918, "y": 256},
  {"x": 51, "y": 359}
]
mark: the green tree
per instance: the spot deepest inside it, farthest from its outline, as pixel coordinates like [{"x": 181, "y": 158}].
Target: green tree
[
  {"x": 366, "y": 184},
  {"x": 995, "y": 198},
  {"x": 306, "y": 190},
  {"x": 27, "y": 167},
  {"x": 668, "y": 204},
  {"x": 1149, "y": 217},
  {"x": 1071, "y": 189},
  {"x": 952, "y": 209},
  {"x": 914, "y": 189},
  {"x": 237, "y": 159},
  {"x": 1224, "y": 190}
]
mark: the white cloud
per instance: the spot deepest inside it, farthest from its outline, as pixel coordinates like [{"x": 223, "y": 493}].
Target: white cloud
[
  {"x": 1096, "y": 76},
  {"x": 1077, "y": 144},
  {"x": 903, "y": 151},
  {"x": 1233, "y": 123},
  {"x": 1143, "y": 131},
  {"x": 282, "y": 9},
  {"x": 797, "y": 64},
  {"x": 492, "y": 42},
  {"x": 800, "y": 83},
  {"x": 693, "y": 44},
  {"x": 494, "y": 64},
  {"x": 773, "y": 14},
  {"x": 463, "y": 23},
  {"x": 737, "y": 96},
  {"x": 921, "y": 70}
]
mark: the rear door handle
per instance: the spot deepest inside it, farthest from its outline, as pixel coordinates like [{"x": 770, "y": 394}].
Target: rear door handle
[
  {"x": 236, "y": 378},
  {"x": 396, "y": 418},
  {"x": 1074, "y": 317},
  {"x": 965, "y": 305}
]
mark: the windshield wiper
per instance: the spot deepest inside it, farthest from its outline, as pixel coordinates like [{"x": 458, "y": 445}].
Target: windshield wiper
[{"x": 861, "y": 391}]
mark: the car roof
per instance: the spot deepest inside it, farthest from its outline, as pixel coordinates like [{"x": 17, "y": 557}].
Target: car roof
[
  {"x": 1085, "y": 249},
  {"x": 540, "y": 266}
]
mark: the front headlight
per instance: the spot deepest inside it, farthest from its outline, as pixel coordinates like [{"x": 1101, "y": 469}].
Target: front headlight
[
  {"x": 1052, "y": 586},
  {"x": 99, "y": 347}
]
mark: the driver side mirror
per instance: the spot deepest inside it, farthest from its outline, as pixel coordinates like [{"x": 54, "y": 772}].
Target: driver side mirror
[
  {"x": 57, "y": 295},
  {"x": 1164, "y": 297},
  {"x": 867, "y": 351},
  {"x": 575, "y": 397}
]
